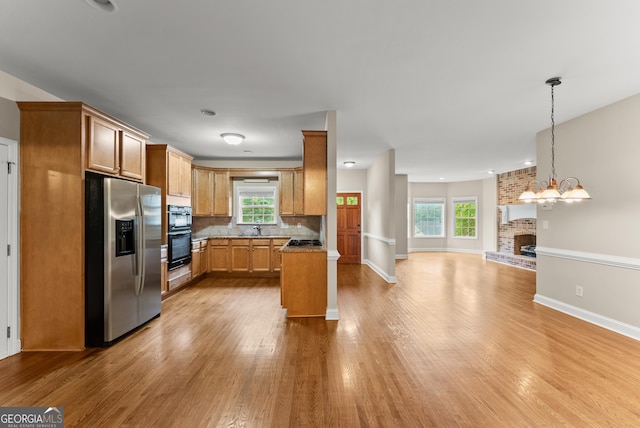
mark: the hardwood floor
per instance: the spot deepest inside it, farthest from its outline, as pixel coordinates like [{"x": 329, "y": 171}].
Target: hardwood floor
[{"x": 456, "y": 342}]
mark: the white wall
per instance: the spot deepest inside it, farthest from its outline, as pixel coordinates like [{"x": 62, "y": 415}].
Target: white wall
[
  {"x": 9, "y": 119},
  {"x": 331, "y": 127},
  {"x": 400, "y": 206},
  {"x": 426, "y": 190},
  {"x": 380, "y": 239},
  {"x": 594, "y": 244},
  {"x": 465, "y": 189},
  {"x": 15, "y": 89},
  {"x": 489, "y": 212},
  {"x": 484, "y": 190}
]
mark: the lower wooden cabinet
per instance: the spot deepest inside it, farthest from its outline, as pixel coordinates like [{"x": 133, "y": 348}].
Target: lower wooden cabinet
[
  {"x": 178, "y": 277},
  {"x": 199, "y": 258},
  {"x": 219, "y": 255},
  {"x": 260, "y": 255},
  {"x": 276, "y": 255},
  {"x": 240, "y": 255},
  {"x": 303, "y": 283},
  {"x": 244, "y": 255},
  {"x": 195, "y": 262}
]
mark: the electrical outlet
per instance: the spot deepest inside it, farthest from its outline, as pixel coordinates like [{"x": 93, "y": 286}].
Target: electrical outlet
[
  {"x": 579, "y": 290},
  {"x": 299, "y": 225},
  {"x": 545, "y": 224}
]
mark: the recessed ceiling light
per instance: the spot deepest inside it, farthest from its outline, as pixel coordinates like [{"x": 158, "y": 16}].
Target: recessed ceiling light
[
  {"x": 247, "y": 152},
  {"x": 528, "y": 162},
  {"x": 491, "y": 171},
  {"x": 208, "y": 112},
  {"x": 103, "y": 5},
  {"x": 441, "y": 178},
  {"x": 349, "y": 164},
  {"x": 232, "y": 138}
]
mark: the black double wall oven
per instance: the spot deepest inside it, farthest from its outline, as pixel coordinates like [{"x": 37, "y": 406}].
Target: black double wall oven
[{"x": 179, "y": 236}]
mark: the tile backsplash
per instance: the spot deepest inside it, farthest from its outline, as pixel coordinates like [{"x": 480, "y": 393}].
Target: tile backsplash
[{"x": 309, "y": 227}]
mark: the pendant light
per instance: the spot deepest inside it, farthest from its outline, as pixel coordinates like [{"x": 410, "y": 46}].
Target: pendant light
[{"x": 550, "y": 191}]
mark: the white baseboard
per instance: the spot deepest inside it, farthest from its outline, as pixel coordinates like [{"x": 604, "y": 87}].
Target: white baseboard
[
  {"x": 444, "y": 250},
  {"x": 332, "y": 314},
  {"x": 427, "y": 250},
  {"x": 383, "y": 274},
  {"x": 402, "y": 256},
  {"x": 590, "y": 317},
  {"x": 463, "y": 250}
]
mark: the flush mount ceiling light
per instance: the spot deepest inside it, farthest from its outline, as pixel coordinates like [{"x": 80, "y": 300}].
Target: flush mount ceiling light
[
  {"x": 349, "y": 164},
  {"x": 549, "y": 191},
  {"x": 231, "y": 138},
  {"x": 104, "y": 5}
]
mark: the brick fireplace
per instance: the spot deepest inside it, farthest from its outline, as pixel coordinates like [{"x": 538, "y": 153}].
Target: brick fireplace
[{"x": 515, "y": 234}]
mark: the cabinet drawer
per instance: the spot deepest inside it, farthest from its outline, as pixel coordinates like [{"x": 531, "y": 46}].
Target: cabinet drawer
[
  {"x": 199, "y": 244},
  {"x": 260, "y": 242},
  {"x": 218, "y": 241},
  {"x": 240, "y": 242}
]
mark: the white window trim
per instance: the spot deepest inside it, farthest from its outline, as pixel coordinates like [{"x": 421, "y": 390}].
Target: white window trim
[
  {"x": 442, "y": 201},
  {"x": 458, "y": 199},
  {"x": 240, "y": 188}
]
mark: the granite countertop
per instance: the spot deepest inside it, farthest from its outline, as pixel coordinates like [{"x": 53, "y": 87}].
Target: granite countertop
[
  {"x": 198, "y": 238},
  {"x": 286, "y": 249}
]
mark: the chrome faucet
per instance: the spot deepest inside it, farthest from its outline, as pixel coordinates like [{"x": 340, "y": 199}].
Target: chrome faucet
[{"x": 259, "y": 229}]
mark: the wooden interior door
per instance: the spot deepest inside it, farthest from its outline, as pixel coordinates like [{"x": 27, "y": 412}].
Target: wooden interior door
[{"x": 348, "y": 205}]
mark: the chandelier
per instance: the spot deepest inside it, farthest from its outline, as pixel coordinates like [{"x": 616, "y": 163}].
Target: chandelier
[{"x": 569, "y": 189}]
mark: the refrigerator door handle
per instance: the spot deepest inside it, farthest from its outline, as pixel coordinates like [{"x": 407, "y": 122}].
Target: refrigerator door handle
[{"x": 140, "y": 256}]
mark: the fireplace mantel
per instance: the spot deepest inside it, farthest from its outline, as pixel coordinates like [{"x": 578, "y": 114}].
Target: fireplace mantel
[{"x": 517, "y": 211}]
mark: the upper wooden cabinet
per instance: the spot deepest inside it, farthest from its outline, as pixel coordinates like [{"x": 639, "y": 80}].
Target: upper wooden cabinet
[
  {"x": 132, "y": 156},
  {"x": 202, "y": 192},
  {"x": 166, "y": 168},
  {"x": 314, "y": 166},
  {"x": 169, "y": 169},
  {"x": 210, "y": 194},
  {"x": 113, "y": 148},
  {"x": 291, "y": 192},
  {"x": 298, "y": 192},
  {"x": 58, "y": 142},
  {"x": 178, "y": 173}
]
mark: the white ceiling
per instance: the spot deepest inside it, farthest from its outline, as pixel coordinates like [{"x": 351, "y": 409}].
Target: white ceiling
[{"x": 455, "y": 87}]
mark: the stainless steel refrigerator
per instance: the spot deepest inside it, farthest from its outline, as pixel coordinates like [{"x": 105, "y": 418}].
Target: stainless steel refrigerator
[{"x": 122, "y": 257}]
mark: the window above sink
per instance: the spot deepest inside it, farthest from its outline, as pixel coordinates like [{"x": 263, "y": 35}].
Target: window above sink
[{"x": 256, "y": 204}]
